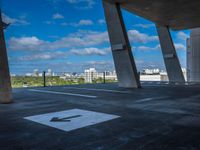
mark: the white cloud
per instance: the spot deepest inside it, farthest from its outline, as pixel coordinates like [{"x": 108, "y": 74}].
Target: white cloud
[
  {"x": 81, "y": 39},
  {"x": 43, "y": 56},
  {"x": 182, "y": 36},
  {"x": 101, "y": 21},
  {"x": 83, "y": 22},
  {"x": 83, "y": 4},
  {"x": 26, "y": 43},
  {"x": 147, "y": 48},
  {"x": 136, "y": 36},
  {"x": 179, "y": 46},
  {"x": 146, "y": 26},
  {"x": 15, "y": 21},
  {"x": 91, "y": 51},
  {"x": 57, "y": 16},
  {"x": 78, "y": 39}
]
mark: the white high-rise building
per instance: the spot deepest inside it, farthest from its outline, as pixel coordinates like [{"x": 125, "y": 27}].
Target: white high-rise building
[
  {"x": 193, "y": 56},
  {"x": 49, "y": 72},
  {"x": 90, "y": 75},
  {"x": 36, "y": 72}
]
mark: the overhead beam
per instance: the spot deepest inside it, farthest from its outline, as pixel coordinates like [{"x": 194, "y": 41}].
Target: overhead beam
[
  {"x": 121, "y": 50},
  {"x": 171, "y": 60},
  {"x": 5, "y": 84}
]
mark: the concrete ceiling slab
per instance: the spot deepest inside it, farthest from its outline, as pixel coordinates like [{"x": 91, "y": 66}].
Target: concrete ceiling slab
[{"x": 177, "y": 14}]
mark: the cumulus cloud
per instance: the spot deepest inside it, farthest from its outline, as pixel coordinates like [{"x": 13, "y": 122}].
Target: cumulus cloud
[
  {"x": 78, "y": 39},
  {"x": 179, "y": 46},
  {"x": 182, "y": 36},
  {"x": 146, "y": 26},
  {"x": 26, "y": 43},
  {"x": 83, "y": 4},
  {"x": 101, "y": 21},
  {"x": 83, "y": 22},
  {"x": 147, "y": 48},
  {"x": 57, "y": 16},
  {"x": 90, "y": 51},
  {"x": 15, "y": 21},
  {"x": 44, "y": 56},
  {"x": 136, "y": 36}
]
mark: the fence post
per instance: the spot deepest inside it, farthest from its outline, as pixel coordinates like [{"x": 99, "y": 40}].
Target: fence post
[
  {"x": 44, "y": 79},
  {"x": 139, "y": 76},
  {"x": 104, "y": 77}
]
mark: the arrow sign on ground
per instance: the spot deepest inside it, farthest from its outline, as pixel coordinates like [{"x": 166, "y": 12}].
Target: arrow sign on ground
[{"x": 65, "y": 119}]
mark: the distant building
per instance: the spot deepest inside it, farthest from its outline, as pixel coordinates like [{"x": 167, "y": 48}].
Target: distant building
[
  {"x": 150, "y": 71},
  {"x": 193, "y": 55},
  {"x": 108, "y": 75},
  {"x": 153, "y": 75},
  {"x": 13, "y": 75},
  {"x": 90, "y": 75},
  {"x": 156, "y": 75},
  {"x": 36, "y": 73},
  {"x": 28, "y": 74},
  {"x": 49, "y": 72}
]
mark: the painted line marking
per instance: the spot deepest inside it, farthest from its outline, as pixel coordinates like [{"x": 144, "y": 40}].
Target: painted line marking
[
  {"x": 78, "y": 119},
  {"x": 105, "y": 90},
  {"x": 143, "y": 100},
  {"x": 62, "y": 93},
  {"x": 155, "y": 85},
  {"x": 149, "y": 99}
]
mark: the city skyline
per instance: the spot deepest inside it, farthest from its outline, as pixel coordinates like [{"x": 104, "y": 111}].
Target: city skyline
[{"x": 52, "y": 37}]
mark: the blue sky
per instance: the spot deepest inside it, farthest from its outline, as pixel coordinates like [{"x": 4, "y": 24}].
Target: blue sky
[{"x": 71, "y": 35}]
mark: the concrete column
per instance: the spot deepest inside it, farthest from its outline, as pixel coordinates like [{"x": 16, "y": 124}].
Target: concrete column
[
  {"x": 171, "y": 60},
  {"x": 124, "y": 62},
  {"x": 5, "y": 84}
]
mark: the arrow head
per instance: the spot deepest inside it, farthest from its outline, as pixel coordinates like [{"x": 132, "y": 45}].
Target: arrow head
[{"x": 56, "y": 119}]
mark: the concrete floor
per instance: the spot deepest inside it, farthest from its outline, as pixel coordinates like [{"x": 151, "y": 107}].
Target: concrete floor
[{"x": 156, "y": 117}]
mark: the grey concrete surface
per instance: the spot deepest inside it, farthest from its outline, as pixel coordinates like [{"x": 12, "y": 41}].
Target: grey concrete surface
[
  {"x": 123, "y": 59},
  {"x": 177, "y": 14},
  {"x": 171, "y": 60},
  {"x": 5, "y": 85},
  {"x": 156, "y": 117}
]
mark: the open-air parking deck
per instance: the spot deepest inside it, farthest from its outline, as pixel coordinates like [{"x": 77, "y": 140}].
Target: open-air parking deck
[{"x": 102, "y": 116}]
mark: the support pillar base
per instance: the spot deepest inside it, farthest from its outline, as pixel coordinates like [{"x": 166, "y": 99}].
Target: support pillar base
[{"x": 6, "y": 98}]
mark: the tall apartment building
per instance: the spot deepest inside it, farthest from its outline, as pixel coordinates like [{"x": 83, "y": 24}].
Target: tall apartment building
[
  {"x": 193, "y": 56},
  {"x": 90, "y": 75}
]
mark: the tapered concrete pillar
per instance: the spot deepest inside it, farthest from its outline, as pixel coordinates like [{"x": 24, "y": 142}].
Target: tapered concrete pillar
[
  {"x": 121, "y": 49},
  {"x": 5, "y": 84},
  {"x": 171, "y": 60}
]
